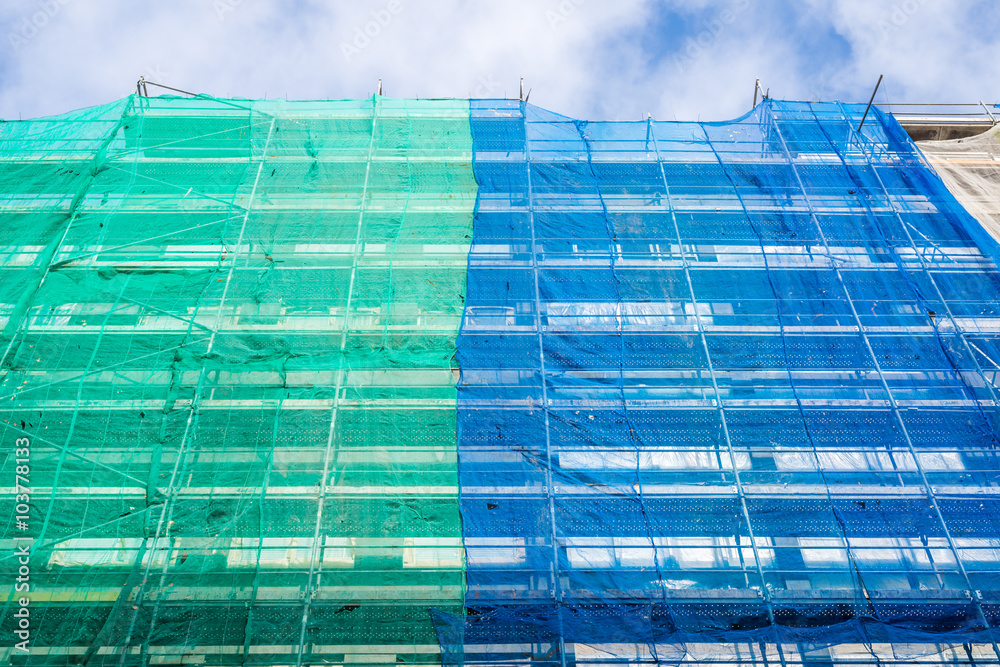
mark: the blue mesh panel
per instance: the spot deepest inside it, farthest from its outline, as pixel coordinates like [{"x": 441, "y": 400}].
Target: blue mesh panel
[{"x": 724, "y": 382}]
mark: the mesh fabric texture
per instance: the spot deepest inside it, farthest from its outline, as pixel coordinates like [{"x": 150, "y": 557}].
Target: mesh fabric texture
[
  {"x": 727, "y": 390},
  {"x": 228, "y": 330},
  {"x": 724, "y": 382}
]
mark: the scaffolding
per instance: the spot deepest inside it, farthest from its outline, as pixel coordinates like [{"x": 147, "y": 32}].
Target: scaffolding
[
  {"x": 727, "y": 396},
  {"x": 228, "y": 332},
  {"x": 472, "y": 383}
]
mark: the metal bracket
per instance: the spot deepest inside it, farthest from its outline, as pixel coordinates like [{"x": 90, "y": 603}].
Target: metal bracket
[{"x": 988, "y": 113}]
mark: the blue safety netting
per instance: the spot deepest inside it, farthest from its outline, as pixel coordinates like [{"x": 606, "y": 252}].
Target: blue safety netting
[{"x": 724, "y": 384}]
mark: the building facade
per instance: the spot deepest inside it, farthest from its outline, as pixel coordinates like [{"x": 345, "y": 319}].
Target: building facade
[{"x": 469, "y": 382}]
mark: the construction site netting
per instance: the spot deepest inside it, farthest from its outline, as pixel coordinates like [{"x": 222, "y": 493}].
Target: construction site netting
[
  {"x": 728, "y": 396},
  {"x": 228, "y": 332},
  {"x": 970, "y": 168},
  {"x": 439, "y": 382}
]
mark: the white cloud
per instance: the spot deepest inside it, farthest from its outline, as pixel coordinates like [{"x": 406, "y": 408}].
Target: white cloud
[
  {"x": 585, "y": 58},
  {"x": 928, "y": 50}
]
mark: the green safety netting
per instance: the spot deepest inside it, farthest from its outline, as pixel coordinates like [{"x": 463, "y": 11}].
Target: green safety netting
[{"x": 228, "y": 330}]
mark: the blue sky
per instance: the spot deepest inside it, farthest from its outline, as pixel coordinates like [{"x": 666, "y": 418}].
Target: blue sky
[{"x": 596, "y": 59}]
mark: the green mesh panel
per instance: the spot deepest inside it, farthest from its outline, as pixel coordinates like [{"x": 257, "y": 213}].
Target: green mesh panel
[{"x": 228, "y": 329}]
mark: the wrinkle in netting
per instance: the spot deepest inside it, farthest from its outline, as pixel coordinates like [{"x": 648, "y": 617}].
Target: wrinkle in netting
[{"x": 826, "y": 525}]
